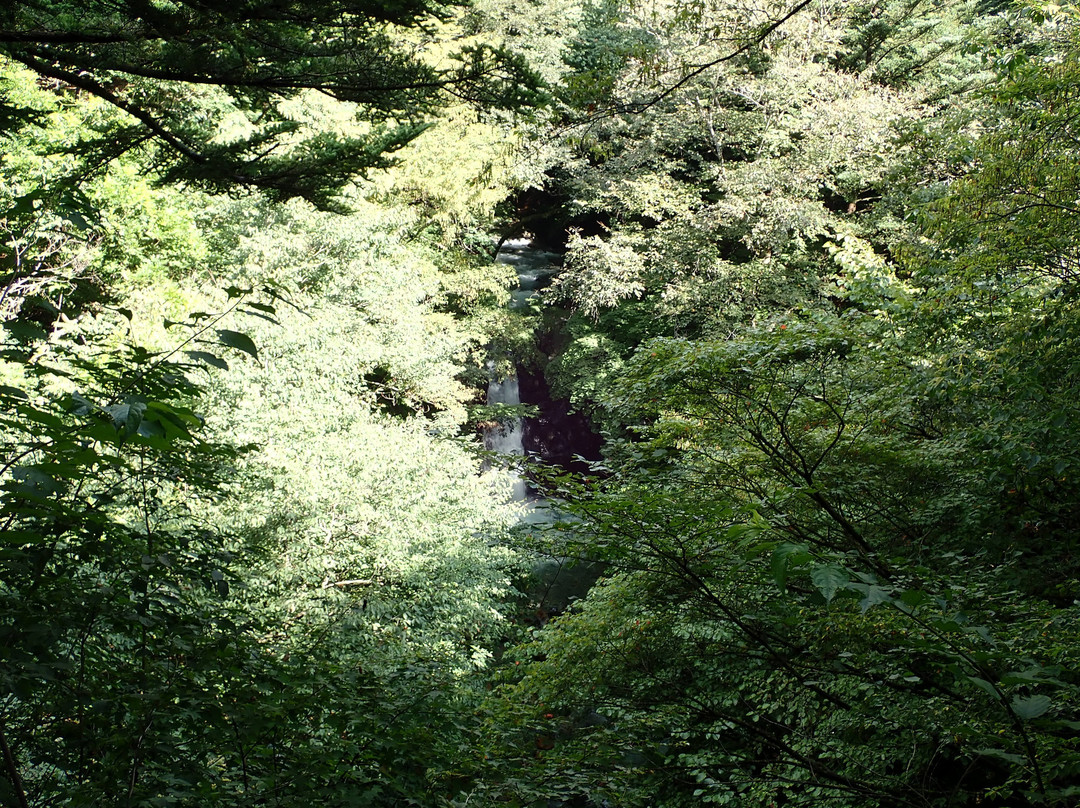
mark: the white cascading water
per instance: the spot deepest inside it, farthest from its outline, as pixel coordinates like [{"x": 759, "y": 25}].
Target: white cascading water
[
  {"x": 532, "y": 266},
  {"x": 506, "y": 438}
]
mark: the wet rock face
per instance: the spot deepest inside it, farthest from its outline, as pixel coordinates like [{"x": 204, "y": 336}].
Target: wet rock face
[{"x": 557, "y": 435}]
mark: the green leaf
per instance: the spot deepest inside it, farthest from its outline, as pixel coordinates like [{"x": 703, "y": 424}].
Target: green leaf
[
  {"x": 828, "y": 578},
  {"x": 1001, "y": 754},
  {"x": 208, "y": 358},
  {"x": 34, "y": 482},
  {"x": 985, "y": 685},
  {"x": 152, "y": 429},
  {"x": 127, "y": 417},
  {"x": 261, "y": 316},
  {"x": 782, "y": 558},
  {"x": 914, "y": 597},
  {"x": 24, "y": 331},
  {"x": 78, "y": 404},
  {"x": 1037, "y": 674},
  {"x": 235, "y": 339},
  {"x": 1028, "y": 707},
  {"x": 181, "y": 417},
  {"x": 874, "y": 596}
]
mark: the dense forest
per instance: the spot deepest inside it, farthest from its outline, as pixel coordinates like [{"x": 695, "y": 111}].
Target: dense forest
[{"x": 812, "y": 333}]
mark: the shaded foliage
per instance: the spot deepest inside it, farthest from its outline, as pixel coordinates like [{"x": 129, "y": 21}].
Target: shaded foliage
[{"x": 837, "y": 501}]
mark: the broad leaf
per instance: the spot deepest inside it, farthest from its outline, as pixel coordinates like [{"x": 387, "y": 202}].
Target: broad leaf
[
  {"x": 208, "y": 358},
  {"x": 874, "y": 596},
  {"x": 1028, "y": 707},
  {"x": 828, "y": 579},
  {"x": 235, "y": 339},
  {"x": 783, "y": 556},
  {"x": 24, "y": 331},
  {"x": 1000, "y": 754},
  {"x": 985, "y": 685}
]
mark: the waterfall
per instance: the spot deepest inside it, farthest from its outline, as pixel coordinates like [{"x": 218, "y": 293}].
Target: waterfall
[
  {"x": 533, "y": 267},
  {"x": 506, "y": 438},
  {"x": 557, "y": 582}
]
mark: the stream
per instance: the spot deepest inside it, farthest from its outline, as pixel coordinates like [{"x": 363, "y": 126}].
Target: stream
[
  {"x": 554, "y": 437},
  {"x": 534, "y": 268}
]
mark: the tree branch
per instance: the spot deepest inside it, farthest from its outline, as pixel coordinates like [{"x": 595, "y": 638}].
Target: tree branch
[
  {"x": 764, "y": 32},
  {"x": 83, "y": 81},
  {"x": 12, "y": 768}
]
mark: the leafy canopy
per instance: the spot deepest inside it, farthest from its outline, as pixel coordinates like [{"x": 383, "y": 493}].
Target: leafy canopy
[{"x": 178, "y": 69}]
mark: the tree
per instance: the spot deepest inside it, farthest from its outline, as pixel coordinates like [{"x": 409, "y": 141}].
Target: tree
[
  {"x": 247, "y": 62},
  {"x": 171, "y": 632},
  {"x": 186, "y": 620},
  {"x": 799, "y": 578},
  {"x": 838, "y": 494}
]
